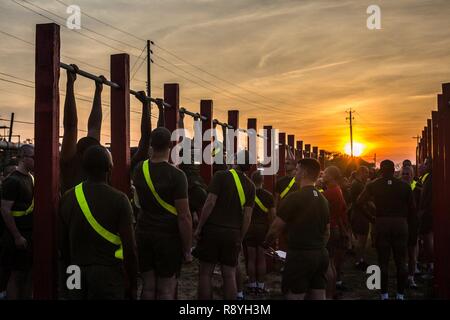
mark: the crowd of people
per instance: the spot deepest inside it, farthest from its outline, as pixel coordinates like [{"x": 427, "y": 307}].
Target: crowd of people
[{"x": 135, "y": 247}]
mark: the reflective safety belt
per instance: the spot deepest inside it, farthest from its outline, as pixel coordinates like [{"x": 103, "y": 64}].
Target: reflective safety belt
[
  {"x": 413, "y": 185},
  {"x": 29, "y": 209},
  {"x": 239, "y": 188},
  {"x": 105, "y": 234},
  {"x": 320, "y": 190},
  {"x": 285, "y": 191},
  {"x": 260, "y": 205},
  {"x": 424, "y": 177},
  {"x": 149, "y": 181}
]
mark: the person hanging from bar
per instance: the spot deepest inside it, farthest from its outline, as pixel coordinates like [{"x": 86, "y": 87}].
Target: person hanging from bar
[
  {"x": 197, "y": 189},
  {"x": 144, "y": 150},
  {"x": 96, "y": 233},
  {"x": 17, "y": 207},
  {"x": 262, "y": 216},
  {"x": 72, "y": 149},
  {"x": 164, "y": 224},
  {"x": 223, "y": 224}
]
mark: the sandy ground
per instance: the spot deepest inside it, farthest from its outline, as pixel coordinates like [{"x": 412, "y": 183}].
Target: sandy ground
[{"x": 353, "y": 278}]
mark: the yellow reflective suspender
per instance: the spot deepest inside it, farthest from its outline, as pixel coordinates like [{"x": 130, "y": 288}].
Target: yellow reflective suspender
[
  {"x": 239, "y": 188},
  {"x": 29, "y": 209},
  {"x": 413, "y": 185},
  {"x": 149, "y": 181},
  {"x": 424, "y": 177},
  {"x": 105, "y": 234},
  {"x": 260, "y": 204},
  {"x": 285, "y": 191}
]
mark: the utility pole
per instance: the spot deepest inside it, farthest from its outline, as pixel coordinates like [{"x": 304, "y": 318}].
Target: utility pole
[
  {"x": 11, "y": 123},
  {"x": 351, "y": 130},
  {"x": 375, "y": 160}
]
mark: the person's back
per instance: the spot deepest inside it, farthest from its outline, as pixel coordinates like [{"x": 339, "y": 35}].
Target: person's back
[
  {"x": 391, "y": 197},
  {"x": 110, "y": 208},
  {"x": 306, "y": 214},
  {"x": 227, "y": 213},
  {"x": 171, "y": 184}
]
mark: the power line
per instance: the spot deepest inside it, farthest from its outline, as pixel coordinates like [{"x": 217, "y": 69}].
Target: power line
[{"x": 82, "y": 34}]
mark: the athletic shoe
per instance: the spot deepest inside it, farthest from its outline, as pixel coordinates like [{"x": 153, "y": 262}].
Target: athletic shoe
[
  {"x": 262, "y": 292},
  {"x": 412, "y": 284}
]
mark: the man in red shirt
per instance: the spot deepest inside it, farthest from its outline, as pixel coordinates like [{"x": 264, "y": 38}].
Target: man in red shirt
[{"x": 339, "y": 228}]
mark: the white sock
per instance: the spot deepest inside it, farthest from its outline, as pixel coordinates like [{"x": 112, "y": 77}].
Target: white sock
[
  {"x": 260, "y": 285},
  {"x": 411, "y": 278},
  {"x": 240, "y": 294},
  {"x": 339, "y": 283},
  {"x": 400, "y": 296},
  {"x": 252, "y": 285},
  {"x": 385, "y": 296}
]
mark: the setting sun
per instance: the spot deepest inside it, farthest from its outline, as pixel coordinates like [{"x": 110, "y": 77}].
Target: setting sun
[{"x": 358, "y": 149}]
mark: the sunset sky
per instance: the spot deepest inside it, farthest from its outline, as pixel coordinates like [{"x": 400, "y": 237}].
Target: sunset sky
[{"x": 295, "y": 65}]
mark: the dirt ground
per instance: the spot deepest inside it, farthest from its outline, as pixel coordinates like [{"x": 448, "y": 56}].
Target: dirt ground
[{"x": 354, "y": 279}]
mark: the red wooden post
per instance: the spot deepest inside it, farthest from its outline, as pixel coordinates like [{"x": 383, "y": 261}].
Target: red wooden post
[
  {"x": 282, "y": 154},
  {"x": 206, "y": 109},
  {"x": 269, "y": 180},
  {"x": 425, "y": 143},
  {"x": 120, "y": 122},
  {"x": 46, "y": 168},
  {"x": 307, "y": 151},
  {"x": 233, "y": 120},
  {"x": 442, "y": 256},
  {"x": 252, "y": 124},
  {"x": 429, "y": 136},
  {"x": 315, "y": 154},
  {"x": 172, "y": 97},
  {"x": 299, "y": 154}
]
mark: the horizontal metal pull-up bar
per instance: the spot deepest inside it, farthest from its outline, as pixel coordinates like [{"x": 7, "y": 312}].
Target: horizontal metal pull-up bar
[
  {"x": 193, "y": 115},
  {"x": 246, "y": 131},
  {"x": 222, "y": 124},
  {"x": 108, "y": 83}
]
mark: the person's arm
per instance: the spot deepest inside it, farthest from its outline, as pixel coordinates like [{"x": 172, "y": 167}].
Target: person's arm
[
  {"x": 326, "y": 235},
  {"x": 275, "y": 230},
  {"x": 161, "y": 117},
  {"x": 184, "y": 227},
  {"x": 206, "y": 211},
  {"x": 96, "y": 115},
  {"x": 130, "y": 260},
  {"x": 70, "y": 120},
  {"x": 246, "y": 221},
  {"x": 146, "y": 128},
  {"x": 363, "y": 199},
  {"x": 277, "y": 200},
  {"x": 19, "y": 240},
  {"x": 272, "y": 214}
]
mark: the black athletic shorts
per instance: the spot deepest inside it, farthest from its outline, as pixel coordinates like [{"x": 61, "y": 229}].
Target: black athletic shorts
[
  {"x": 256, "y": 235},
  {"x": 99, "y": 283},
  {"x": 219, "y": 245},
  {"x": 161, "y": 253},
  {"x": 15, "y": 259},
  {"x": 305, "y": 270}
]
